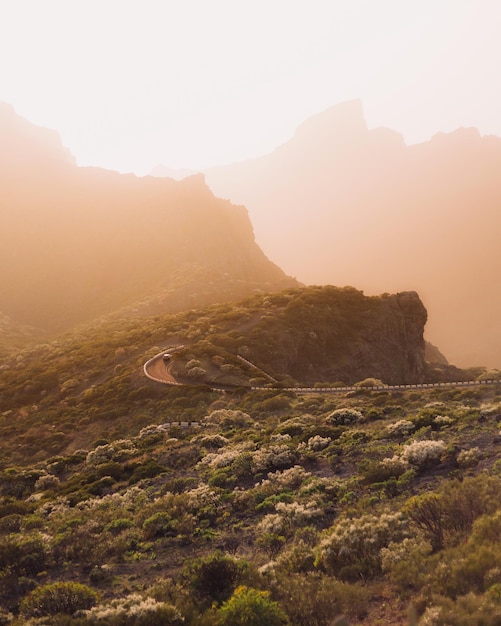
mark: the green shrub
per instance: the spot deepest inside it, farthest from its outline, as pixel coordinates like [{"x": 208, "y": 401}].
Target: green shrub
[
  {"x": 250, "y": 607},
  {"x": 23, "y": 556},
  {"x": 315, "y": 599},
  {"x": 118, "y": 525},
  {"x": 160, "y": 524},
  {"x": 58, "y": 598},
  {"x": 353, "y": 546},
  {"x": 215, "y": 576}
]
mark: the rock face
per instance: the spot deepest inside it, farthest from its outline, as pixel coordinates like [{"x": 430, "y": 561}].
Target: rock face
[
  {"x": 392, "y": 347},
  {"x": 329, "y": 334},
  {"x": 77, "y": 243},
  {"x": 344, "y": 204}
]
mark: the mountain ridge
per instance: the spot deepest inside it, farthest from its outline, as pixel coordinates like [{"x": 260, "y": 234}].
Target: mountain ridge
[
  {"x": 80, "y": 242},
  {"x": 367, "y": 210}
]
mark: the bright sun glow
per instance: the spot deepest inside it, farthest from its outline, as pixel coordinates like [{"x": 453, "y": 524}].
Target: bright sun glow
[{"x": 130, "y": 84}]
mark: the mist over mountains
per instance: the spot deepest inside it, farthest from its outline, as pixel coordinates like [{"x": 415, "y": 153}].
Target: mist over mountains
[
  {"x": 77, "y": 243},
  {"x": 346, "y": 205},
  {"x": 338, "y": 204}
]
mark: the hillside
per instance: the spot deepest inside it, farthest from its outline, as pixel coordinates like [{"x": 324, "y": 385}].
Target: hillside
[
  {"x": 347, "y": 205},
  {"x": 319, "y": 335},
  {"x": 290, "y": 508},
  {"x": 303, "y": 336},
  {"x": 78, "y": 243}
]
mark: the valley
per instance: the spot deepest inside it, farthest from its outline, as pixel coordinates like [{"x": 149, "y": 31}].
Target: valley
[{"x": 189, "y": 435}]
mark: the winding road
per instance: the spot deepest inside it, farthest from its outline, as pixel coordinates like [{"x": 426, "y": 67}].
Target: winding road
[{"x": 157, "y": 370}]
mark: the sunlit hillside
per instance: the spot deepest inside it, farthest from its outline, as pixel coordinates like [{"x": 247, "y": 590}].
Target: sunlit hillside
[{"x": 126, "y": 502}]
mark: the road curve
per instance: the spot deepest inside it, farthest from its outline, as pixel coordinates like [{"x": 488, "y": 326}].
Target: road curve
[{"x": 156, "y": 369}]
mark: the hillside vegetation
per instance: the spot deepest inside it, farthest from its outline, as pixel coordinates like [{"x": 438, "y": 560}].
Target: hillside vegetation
[
  {"x": 127, "y": 502},
  {"x": 62, "y": 393}
]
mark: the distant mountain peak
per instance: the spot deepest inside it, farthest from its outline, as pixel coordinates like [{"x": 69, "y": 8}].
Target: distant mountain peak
[
  {"x": 22, "y": 142},
  {"x": 343, "y": 119}
]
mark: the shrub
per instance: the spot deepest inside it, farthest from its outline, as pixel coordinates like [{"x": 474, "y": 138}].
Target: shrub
[
  {"x": 160, "y": 524},
  {"x": 291, "y": 478},
  {"x": 427, "y": 511},
  {"x": 317, "y": 443},
  {"x": 402, "y": 428},
  {"x": 48, "y": 481},
  {"x": 58, "y": 598},
  {"x": 468, "y": 458},
  {"x": 23, "y": 556},
  {"x": 449, "y": 513},
  {"x": 273, "y": 457},
  {"x": 315, "y": 599},
  {"x": 116, "y": 526},
  {"x": 251, "y": 607},
  {"x": 343, "y": 417},
  {"x": 229, "y": 418},
  {"x": 421, "y": 454},
  {"x": 353, "y": 547},
  {"x": 133, "y": 610},
  {"x": 214, "y": 577}
]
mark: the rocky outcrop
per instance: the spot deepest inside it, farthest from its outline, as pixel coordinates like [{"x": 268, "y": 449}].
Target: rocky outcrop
[{"x": 329, "y": 334}]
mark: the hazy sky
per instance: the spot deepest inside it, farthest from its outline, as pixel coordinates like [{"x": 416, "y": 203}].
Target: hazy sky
[{"x": 130, "y": 84}]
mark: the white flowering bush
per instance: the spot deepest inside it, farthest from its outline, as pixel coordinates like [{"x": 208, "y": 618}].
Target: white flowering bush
[
  {"x": 298, "y": 514},
  {"x": 431, "y": 617},
  {"x": 119, "y": 450},
  {"x": 280, "y": 438},
  {"x": 213, "y": 441},
  {"x": 133, "y": 608},
  {"x": 467, "y": 458},
  {"x": 442, "y": 421},
  {"x": 420, "y": 454},
  {"x": 353, "y": 546},
  {"x": 129, "y": 500},
  {"x": 488, "y": 409},
  {"x": 202, "y": 496},
  {"x": 399, "y": 552},
  {"x": 291, "y": 478},
  {"x": 317, "y": 443},
  {"x": 271, "y": 524},
  {"x": 402, "y": 428},
  {"x": 47, "y": 481},
  {"x": 229, "y": 418},
  {"x": 288, "y": 517},
  {"x": 273, "y": 457},
  {"x": 395, "y": 465},
  {"x": 416, "y": 455},
  {"x": 344, "y": 417},
  {"x": 222, "y": 458}
]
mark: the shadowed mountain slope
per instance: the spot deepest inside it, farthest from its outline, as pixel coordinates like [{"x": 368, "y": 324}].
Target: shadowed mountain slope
[
  {"x": 76, "y": 243},
  {"x": 343, "y": 204}
]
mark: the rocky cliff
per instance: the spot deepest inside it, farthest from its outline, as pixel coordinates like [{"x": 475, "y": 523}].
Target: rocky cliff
[
  {"x": 329, "y": 334},
  {"x": 359, "y": 337}
]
